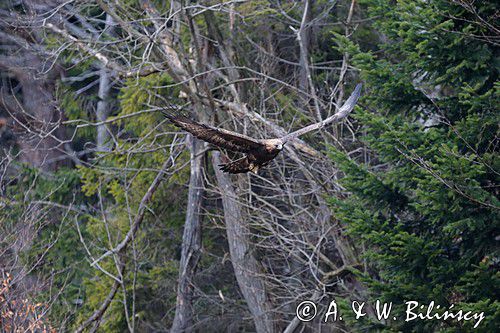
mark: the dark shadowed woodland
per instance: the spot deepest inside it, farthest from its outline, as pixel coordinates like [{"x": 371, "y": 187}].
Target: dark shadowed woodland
[{"x": 112, "y": 219}]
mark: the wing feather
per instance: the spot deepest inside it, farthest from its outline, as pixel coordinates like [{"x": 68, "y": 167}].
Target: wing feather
[
  {"x": 341, "y": 114},
  {"x": 217, "y": 136}
]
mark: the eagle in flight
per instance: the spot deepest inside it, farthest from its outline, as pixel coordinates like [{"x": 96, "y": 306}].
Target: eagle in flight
[{"x": 258, "y": 152}]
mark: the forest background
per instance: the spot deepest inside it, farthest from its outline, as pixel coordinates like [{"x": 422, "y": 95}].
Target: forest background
[{"x": 113, "y": 220}]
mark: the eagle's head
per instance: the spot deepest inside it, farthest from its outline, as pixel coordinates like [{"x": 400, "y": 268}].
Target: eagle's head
[{"x": 274, "y": 144}]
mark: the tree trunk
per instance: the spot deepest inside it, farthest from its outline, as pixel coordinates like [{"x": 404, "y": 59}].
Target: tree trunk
[
  {"x": 247, "y": 269},
  {"x": 191, "y": 241},
  {"x": 40, "y": 147},
  {"x": 305, "y": 41},
  {"x": 103, "y": 106}
]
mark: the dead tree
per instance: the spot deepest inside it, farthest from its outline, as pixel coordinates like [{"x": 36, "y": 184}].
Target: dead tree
[
  {"x": 103, "y": 105},
  {"x": 247, "y": 269},
  {"x": 284, "y": 243},
  {"x": 191, "y": 241},
  {"x": 33, "y": 114}
]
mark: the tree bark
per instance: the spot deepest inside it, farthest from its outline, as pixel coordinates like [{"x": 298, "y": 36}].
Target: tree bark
[
  {"x": 39, "y": 145},
  {"x": 191, "y": 241},
  {"x": 103, "y": 106},
  {"x": 304, "y": 36},
  {"x": 247, "y": 269}
]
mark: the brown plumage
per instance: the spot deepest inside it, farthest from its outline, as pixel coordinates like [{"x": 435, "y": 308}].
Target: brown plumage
[{"x": 258, "y": 153}]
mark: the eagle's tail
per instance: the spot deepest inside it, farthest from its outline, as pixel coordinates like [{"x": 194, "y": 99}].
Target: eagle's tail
[{"x": 239, "y": 166}]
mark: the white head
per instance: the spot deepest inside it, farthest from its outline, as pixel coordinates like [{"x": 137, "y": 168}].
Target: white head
[{"x": 275, "y": 144}]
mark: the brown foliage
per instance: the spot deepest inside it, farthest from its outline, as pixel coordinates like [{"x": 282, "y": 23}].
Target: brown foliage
[{"x": 20, "y": 315}]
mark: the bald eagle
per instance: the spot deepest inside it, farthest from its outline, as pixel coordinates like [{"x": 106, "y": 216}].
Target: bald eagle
[{"x": 258, "y": 152}]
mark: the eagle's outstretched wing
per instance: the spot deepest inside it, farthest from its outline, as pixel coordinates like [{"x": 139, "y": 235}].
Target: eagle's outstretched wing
[
  {"x": 217, "y": 136},
  {"x": 341, "y": 113}
]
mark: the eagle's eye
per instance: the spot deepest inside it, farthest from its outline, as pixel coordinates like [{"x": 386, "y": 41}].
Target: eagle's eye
[{"x": 279, "y": 146}]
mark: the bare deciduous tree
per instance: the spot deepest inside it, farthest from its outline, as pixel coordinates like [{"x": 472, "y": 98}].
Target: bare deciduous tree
[{"x": 283, "y": 242}]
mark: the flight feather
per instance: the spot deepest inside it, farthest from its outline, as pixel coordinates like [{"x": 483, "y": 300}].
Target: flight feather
[
  {"x": 258, "y": 153},
  {"x": 217, "y": 136},
  {"x": 343, "y": 111}
]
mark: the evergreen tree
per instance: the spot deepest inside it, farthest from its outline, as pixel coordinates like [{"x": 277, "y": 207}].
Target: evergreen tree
[{"x": 424, "y": 196}]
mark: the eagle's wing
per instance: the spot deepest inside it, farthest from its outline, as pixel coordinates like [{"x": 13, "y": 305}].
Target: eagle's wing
[
  {"x": 216, "y": 136},
  {"x": 341, "y": 113}
]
